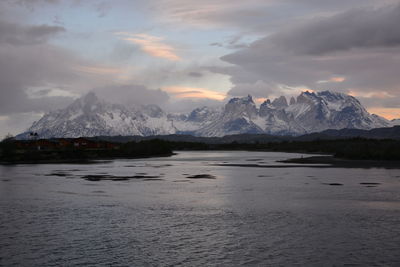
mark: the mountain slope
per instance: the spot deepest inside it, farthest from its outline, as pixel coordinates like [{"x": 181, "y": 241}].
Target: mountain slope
[
  {"x": 316, "y": 112},
  {"x": 238, "y": 116}
]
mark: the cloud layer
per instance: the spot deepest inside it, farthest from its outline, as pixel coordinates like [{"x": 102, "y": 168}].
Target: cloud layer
[{"x": 357, "y": 50}]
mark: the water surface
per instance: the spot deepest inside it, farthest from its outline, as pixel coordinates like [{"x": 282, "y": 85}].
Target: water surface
[{"x": 51, "y": 216}]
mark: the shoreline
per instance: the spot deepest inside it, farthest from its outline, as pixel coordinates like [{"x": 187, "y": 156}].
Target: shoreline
[
  {"x": 344, "y": 163},
  {"x": 326, "y": 161},
  {"x": 79, "y": 161}
]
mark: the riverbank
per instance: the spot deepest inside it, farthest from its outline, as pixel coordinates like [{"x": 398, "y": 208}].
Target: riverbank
[
  {"x": 79, "y": 161},
  {"x": 346, "y": 152},
  {"x": 331, "y": 161},
  {"x": 78, "y": 151}
]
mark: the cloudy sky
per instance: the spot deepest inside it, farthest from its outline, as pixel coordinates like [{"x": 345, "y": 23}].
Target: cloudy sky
[{"x": 185, "y": 53}]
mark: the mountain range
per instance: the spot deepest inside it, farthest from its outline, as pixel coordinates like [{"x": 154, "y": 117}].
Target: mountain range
[{"x": 308, "y": 113}]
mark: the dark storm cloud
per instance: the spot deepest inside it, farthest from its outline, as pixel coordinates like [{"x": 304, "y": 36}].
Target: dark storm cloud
[
  {"x": 14, "y": 34},
  {"x": 24, "y": 67},
  {"x": 252, "y": 15},
  {"x": 357, "y": 28},
  {"x": 28, "y": 61},
  {"x": 361, "y": 45}
]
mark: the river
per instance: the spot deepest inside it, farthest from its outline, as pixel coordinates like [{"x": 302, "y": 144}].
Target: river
[{"x": 191, "y": 210}]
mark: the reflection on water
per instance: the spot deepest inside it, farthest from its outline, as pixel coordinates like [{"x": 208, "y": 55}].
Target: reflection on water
[{"x": 153, "y": 212}]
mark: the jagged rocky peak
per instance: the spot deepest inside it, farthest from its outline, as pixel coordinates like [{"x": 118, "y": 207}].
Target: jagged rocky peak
[
  {"x": 292, "y": 101},
  {"x": 306, "y": 97},
  {"x": 280, "y": 102},
  {"x": 330, "y": 96},
  {"x": 265, "y": 108},
  {"x": 244, "y": 106},
  {"x": 242, "y": 100},
  {"x": 266, "y": 104}
]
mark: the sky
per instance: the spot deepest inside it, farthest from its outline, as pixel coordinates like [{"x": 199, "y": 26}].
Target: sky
[{"x": 181, "y": 54}]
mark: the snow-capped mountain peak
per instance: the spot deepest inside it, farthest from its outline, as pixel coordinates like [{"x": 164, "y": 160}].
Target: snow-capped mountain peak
[
  {"x": 244, "y": 107},
  {"x": 90, "y": 116},
  {"x": 309, "y": 112},
  {"x": 242, "y": 100}
]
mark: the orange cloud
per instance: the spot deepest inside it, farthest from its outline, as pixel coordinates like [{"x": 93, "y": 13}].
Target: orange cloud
[
  {"x": 260, "y": 100},
  {"x": 388, "y": 113},
  {"x": 336, "y": 79},
  {"x": 191, "y": 92},
  {"x": 151, "y": 45}
]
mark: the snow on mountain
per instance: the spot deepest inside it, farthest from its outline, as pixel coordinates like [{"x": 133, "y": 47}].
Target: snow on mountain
[
  {"x": 89, "y": 116},
  {"x": 315, "y": 112},
  {"x": 309, "y": 112},
  {"x": 238, "y": 116},
  {"x": 198, "y": 118}
]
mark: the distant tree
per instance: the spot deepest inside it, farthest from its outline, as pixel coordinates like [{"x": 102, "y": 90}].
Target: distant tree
[
  {"x": 8, "y": 137},
  {"x": 7, "y": 147}
]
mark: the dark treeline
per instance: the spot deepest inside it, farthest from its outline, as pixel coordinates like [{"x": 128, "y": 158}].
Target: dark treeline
[
  {"x": 354, "y": 148},
  {"x": 10, "y": 152}
]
